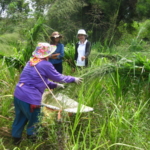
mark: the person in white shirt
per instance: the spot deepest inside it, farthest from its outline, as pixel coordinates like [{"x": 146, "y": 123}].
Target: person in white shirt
[{"x": 82, "y": 49}]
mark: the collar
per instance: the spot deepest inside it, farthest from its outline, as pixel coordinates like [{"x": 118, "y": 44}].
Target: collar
[
  {"x": 33, "y": 61},
  {"x": 83, "y": 43}
]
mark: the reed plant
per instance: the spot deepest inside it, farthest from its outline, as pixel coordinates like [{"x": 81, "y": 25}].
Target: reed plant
[
  {"x": 119, "y": 93},
  {"x": 69, "y": 54}
]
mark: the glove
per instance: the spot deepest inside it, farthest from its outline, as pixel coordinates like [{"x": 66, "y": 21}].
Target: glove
[
  {"x": 32, "y": 107},
  {"x": 78, "y": 80},
  {"x": 60, "y": 86}
]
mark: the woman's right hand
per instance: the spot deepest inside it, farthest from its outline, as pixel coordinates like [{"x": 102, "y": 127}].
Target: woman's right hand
[{"x": 78, "y": 80}]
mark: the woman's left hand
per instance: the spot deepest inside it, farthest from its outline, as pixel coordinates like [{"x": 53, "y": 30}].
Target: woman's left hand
[{"x": 83, "y": 57}]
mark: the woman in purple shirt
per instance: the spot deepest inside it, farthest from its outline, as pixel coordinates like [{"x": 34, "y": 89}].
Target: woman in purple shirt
[{"x": 29, "y": 90}]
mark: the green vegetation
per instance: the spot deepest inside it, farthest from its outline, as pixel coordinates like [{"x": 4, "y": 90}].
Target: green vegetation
[
  {"x": 116, "y": 82},
  {"x": 117, "y": 87}
]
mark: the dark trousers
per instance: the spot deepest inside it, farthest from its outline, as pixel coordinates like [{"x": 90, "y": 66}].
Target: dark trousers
[
  {"x": 24, "y": 116},
  {"x": 58, "y": 67}
]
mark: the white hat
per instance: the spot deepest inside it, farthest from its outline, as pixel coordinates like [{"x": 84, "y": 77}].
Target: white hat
[{"x": 82, "y": 31}]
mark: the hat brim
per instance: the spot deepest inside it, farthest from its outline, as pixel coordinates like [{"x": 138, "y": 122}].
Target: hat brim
[
  {"x": 48, "y": 52},
  {"x": 56, "y": 36},
  {"x": 86, "y": 36}
]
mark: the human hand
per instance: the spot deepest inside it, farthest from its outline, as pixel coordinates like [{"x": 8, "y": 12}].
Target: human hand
[
  {"x": 54, "y": 56},
  {"x": 78, "y": 80},
  {"x": 60, "y": 86},
  {"x": 83, "y": 57}
]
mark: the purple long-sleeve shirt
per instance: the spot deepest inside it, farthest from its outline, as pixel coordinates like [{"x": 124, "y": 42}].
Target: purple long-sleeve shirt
[{"x": 31, "y": 87}]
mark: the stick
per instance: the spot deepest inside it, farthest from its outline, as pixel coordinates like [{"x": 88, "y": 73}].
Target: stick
[{"x": 4, "y": 117}]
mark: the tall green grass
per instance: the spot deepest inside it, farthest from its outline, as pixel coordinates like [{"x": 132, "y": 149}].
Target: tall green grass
[{"x": 119, "y": 95}]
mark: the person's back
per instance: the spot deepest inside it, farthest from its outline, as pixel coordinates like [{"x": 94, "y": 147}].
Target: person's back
[
  {"x": 34, "y": 78},
  {"x": 31, "y": 85}
]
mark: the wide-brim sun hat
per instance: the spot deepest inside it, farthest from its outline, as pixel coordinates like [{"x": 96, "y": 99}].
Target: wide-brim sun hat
[
  {"x": 56, "y": 35},
  {"x": 43, "y": 50}
]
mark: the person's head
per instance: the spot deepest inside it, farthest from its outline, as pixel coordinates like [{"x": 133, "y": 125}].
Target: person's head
[
  {"x": 55, "y": 37},
  {"x": 43, "y": 50},
  {"x": 82, "y": 35}
]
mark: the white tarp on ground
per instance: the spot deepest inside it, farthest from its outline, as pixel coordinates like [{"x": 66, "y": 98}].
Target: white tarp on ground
[{"x": 68, "y": 104}]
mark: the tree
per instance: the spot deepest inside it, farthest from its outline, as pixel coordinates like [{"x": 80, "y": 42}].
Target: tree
[
  {"x": 3, "y": 5},
  {"x": 18, "y": 10},
  {"x": 105, "y": 16},
  {"x": 65, "y": 17},
  {"x": 142, "y": 9}
]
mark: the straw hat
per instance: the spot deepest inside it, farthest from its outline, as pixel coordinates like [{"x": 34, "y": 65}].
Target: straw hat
[
  {"x": 43, "y": 50},
  {"x": 56, "y": 35}
]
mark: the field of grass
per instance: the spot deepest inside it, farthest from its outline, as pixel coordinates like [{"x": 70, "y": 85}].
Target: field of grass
[{"x": 114, "y": 85}]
